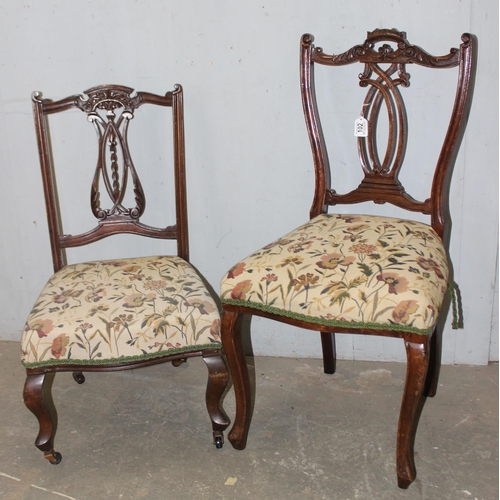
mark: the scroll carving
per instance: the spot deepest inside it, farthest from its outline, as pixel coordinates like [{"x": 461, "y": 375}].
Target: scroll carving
[
  {"x": 401, "y": 51},
  {"x": 385, "y": 55},
  {"x": 110, "y": 111}
]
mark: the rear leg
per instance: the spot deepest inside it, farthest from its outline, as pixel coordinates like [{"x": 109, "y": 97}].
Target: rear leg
[{"x": 329, "y": 352}]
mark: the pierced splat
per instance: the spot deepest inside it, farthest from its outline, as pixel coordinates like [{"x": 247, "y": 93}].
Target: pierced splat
[
  {"x": 385, "y": 55},
  {"x": 112, "y": 128},
  {"x": 110, "y": 108}
]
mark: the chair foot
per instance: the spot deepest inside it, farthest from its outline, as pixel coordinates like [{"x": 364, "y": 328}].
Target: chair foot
[
  {"x": 54, "y": 457},
  {"x": 79, "y": 377},
  {"x": 404, "y": 483},
  {"x": 218, "y": 439}
]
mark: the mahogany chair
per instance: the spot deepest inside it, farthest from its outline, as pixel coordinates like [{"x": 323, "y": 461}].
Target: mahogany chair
[
  {"x": 109, "y": 315},
  {"x": 354, "y": 273}
]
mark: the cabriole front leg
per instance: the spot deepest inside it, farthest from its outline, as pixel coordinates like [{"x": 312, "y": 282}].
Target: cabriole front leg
[
  {"x": 231, "y": 330},
  {"x": 38, "y": 398},
  {"x": 218, "y": 378},
  {"x": 418, "y": 362}
]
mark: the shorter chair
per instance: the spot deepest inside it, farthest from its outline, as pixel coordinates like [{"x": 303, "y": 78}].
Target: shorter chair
[
  {"x": 356, "y": 273},
  {"x": 109, "y": 315}
]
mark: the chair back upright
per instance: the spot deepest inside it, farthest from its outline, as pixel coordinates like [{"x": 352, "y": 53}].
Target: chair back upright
[
  {"x": 385, "y": 56},
  {"x": 110, "y": 108}
]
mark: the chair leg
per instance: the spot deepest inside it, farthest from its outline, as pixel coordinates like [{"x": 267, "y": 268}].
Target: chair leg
[
  {"x": 418, "y": 362},
  {"x": 38, "y": 398},
  {"x": 231, "y": 330},
  {"x": 329, "y": 352},
  {"x": 431, "y": 383},
  {"x": 218, "y": 378}
]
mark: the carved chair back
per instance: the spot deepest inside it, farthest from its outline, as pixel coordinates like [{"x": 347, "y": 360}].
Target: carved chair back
[
  {"x": 385, "y": 56},
  {"x": 110, "y": 109}
]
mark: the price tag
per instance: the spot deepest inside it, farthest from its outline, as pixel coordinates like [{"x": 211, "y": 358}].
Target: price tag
[{"x": 361, "y": 127}]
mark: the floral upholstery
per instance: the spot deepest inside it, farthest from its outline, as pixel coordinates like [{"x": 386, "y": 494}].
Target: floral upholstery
[
  {"x": 353, "y": 271},
  {"x": 119, "y": 311}
]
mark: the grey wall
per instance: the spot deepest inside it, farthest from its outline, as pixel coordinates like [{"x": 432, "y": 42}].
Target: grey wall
[{"x": 249, "y": 163}]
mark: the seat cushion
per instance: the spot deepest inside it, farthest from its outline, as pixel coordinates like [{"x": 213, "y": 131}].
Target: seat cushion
[
  {"x": 120, "y": 311},
  {"x": 353, "y": 271}
]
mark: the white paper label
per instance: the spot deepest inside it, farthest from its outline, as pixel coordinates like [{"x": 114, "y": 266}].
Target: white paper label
[{"x": 361, "y": 127}]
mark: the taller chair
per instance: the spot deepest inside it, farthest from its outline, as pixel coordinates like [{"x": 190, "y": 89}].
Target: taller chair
[
  {"x": 109, "y": 315},
  {"x": 361, "y": 274}
]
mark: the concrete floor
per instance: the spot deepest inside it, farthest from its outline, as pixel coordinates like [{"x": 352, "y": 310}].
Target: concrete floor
[{"x": 145, "y": 434}]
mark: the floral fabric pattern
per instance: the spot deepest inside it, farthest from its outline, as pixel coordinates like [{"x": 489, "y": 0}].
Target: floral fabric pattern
[
  {"x": 119, "y": 311},
  {"x": 351, "y": 271}
]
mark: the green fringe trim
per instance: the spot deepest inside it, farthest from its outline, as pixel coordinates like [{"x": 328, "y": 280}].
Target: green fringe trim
[
  {"x": 122, "y": 359},
  {"x": 453, "y": 293},
  {"x": 328, "y": 322}
]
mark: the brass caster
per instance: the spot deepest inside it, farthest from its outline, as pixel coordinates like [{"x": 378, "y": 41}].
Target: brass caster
[{"x": 54, "y": 457}]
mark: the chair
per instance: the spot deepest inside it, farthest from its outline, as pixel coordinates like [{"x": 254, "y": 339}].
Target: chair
[
  {"x": 109, "y": 315},
  {"x": 354, "y": 273}
]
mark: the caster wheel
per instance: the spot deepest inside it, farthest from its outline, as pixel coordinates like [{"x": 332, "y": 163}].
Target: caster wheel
[
  {"x": 54, "y": 458},
  {"x": 79, "y": 378},
  {"x": 179, "y": 362},
  {"x": 218, "y": 442}
]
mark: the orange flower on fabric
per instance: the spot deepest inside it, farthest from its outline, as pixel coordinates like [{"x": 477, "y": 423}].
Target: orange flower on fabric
[
  {"x": 137, "y": 299},
  {"x": 240, "y": 290},
  {"x": 236, "y": 270},
  {"x": 42, "y": 327},
  {"x": 269, "y": 278},
  {"x": 397, "y": 284},
  {"x": 304, "y": 280},
  {"x": 65, "y": 296},
  {"x": 215, "y": 329},
  {"x": 59, "y": 345},
  {"x": 363, "y": 248},
  {"x": 401, "y": 313},
  {"x": 333, "y": 260},
  {"x": 291, "y": 260},
  {"x": 155, "y": 285},
  {"x": 202, "y": 305},
  {"x": 430, "y": 265}
]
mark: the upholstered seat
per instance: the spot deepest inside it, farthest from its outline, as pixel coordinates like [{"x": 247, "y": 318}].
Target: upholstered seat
[
  {"x": 119, "y": 311},
  {"x": 347, "y": 271}
]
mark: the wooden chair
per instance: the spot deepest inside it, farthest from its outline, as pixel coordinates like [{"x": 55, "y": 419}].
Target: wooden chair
[
  {"x": 361, "y": 274},
  {"x": 109, "y": 315}
]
